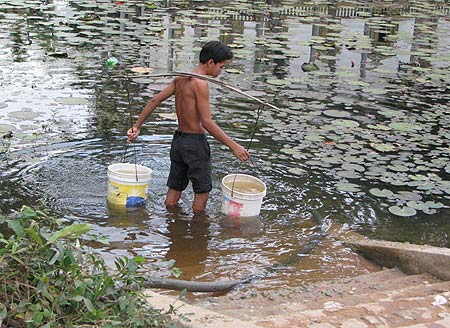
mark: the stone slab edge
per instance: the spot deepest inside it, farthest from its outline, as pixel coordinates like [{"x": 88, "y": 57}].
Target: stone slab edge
[
  {"x": 198, "y": 317},
  {"x": 410, "y": 258}
]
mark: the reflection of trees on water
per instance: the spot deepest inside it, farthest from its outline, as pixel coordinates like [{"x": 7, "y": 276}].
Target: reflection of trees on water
[
  {"x": 423, "y": 40},
  {"x": 273, "y": 22},
  {"x": 382, "y": 34},
  {"x": 268, "y": 31},
  {"x": 265, "y": 18}
]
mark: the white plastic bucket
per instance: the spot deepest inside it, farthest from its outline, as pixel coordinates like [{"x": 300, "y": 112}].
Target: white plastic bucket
[
  {"x": 128, "y": 184},
  {"x": 242, "y": 195}
]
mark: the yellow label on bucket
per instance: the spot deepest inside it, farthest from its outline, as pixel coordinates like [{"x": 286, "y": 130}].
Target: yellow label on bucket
[{"x": 126, "y": 194}]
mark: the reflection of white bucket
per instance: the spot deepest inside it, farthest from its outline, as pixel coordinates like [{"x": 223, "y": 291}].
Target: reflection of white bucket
[
  {"x": 240, "y": 227},
  {"x": 242, "y": 195},
  {"x": 128, "y": 184}
]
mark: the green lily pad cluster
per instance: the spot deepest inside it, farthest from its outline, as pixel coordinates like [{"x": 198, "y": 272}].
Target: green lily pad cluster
[{"x": 363, "y": 99}]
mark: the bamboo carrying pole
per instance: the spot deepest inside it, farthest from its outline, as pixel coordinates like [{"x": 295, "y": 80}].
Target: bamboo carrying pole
[{"x": 203, "y": 77}]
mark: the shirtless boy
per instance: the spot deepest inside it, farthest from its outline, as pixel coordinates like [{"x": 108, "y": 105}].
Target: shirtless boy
[{"x": 190, "y": 154}]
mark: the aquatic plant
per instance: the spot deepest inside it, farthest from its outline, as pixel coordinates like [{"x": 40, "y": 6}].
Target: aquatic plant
[{"x": 49, "y": 280}]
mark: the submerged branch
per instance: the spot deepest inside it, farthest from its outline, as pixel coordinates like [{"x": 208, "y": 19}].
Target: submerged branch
[{"x": 196, "y": 286}]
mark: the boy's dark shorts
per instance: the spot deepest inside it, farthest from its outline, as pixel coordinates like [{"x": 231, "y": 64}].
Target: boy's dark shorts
[{"x": 190, "y": 160}]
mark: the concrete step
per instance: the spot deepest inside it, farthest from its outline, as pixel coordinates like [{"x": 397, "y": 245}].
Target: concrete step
[
  {"x": 443, "y": 323},
  {"x": 190, "y": 316},
  {"x": 390, "y": 308},
  {"x": 364, "y": 284},
  {"x": 313, "y": 291},
  {"x": 388, "y": 298},
  {"x": 347, "y": 291},
  {"x": 410, "y": 312},
  {"x": 409, "y": 286},
  {"x": 410, "y": 258}
]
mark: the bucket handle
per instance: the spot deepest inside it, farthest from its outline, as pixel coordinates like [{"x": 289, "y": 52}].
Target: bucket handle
[
  {"x": 258, "y": 114},
  {"x": 135, "y": 158},
  {"x": 232, "y": 186},
  {"x": 127, "y": 86}
]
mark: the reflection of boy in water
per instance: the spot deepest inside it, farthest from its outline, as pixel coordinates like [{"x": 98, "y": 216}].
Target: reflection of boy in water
[
  {"x": 189, "y": 244},
  {"x": 190, "y": 154}
]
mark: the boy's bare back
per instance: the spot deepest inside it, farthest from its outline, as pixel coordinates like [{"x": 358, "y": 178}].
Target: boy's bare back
[
  {"x": 190, "y": 94},
  {"x": 192, "y": 100}
]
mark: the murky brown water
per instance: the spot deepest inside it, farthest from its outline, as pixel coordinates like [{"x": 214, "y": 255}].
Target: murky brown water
[{"x": 363, "y": 104}]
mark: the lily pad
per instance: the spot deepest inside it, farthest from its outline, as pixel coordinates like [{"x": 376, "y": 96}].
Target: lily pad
[
  {"x": 418, "y": 205},
  {"x": 72, "y": 100},
  {"x": 430, "y": 211},
  {"x": 233, "y": 71},
  {"x": 391, "y": 113},
  {"x": 432, "y": 204},
  {"x": 278, "y": 82},
  {"x": 418, "y": 177},
  {"x": 24, "y": 114},
  {"x": 336, "y": 113},
  {"x": 141, "y": 70},
  {"x": 309, "y": 67},
  {"x": 345, "y": 123},
  {"x": 333, "y": 160},
  {"x": 402, "y": 211},
  {"x": 385, "y": 193},
  {"x": 398, "y": 168},
  {"x": 348, "y": 187},
  {"x": 353, "y": 167},
  {"x": 375, "y": 91},
  {"x": 408, "y": 195},
  {"x": 348, "y": 174},
  {"x": 156, "y": 87},
  {"x": 384, "y": 147},
  {"x": 378, "y": 127},
  {"x": 314, "y": 137},
  {"x": 405, "y": 127},
  {"x": 289, "y": 151},
  {"x": 297, "y": 171},
  {"x": 6, "y": 128}
]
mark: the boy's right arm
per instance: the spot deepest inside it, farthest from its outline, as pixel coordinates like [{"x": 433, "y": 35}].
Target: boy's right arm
[{"x": 167, "y": 92}]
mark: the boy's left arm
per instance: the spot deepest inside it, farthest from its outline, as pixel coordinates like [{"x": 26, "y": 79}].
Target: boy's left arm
[{"x": 204, "y": 110}]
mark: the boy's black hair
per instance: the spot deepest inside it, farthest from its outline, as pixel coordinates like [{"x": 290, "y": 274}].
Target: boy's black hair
[{"x": 216, "y": 51}]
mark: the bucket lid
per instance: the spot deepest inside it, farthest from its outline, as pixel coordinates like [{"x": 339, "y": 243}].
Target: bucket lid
[{"x": 129, "y": 171}]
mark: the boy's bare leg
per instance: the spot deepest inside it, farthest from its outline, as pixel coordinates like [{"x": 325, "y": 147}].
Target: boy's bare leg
[
  {"x": 200, "y": 201},
  {"x": 172, "y": 198},
  {"x": 200, "y": 217}
]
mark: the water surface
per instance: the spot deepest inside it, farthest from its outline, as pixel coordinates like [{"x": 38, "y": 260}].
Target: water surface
[{"x": 360, "y": 138}]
